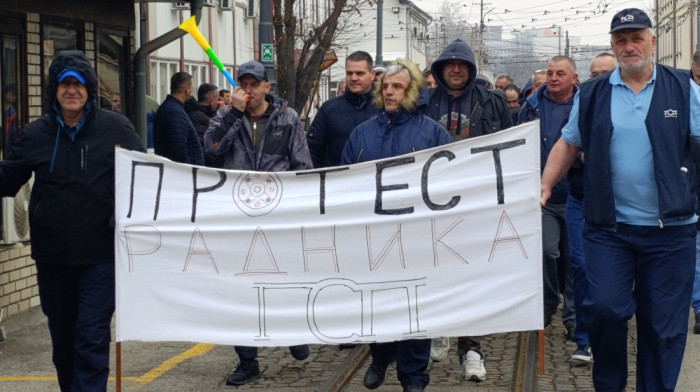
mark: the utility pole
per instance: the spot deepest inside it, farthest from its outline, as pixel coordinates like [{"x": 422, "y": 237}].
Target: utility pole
[
  {"x": 481, "y": 51},
  {"x": 566, "y": 48},
  {"x": 559, "y": 38},
  {"x": 265, "y": 39},
  {"x": 674, "y": 23},
  {"x": 379, "y": 60}
]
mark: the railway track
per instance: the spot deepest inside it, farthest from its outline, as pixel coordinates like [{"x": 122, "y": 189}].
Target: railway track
[{"x": 521, "y": 375}]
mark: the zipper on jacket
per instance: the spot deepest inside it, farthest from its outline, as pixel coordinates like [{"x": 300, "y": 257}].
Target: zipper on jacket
[{"x": 661, "y": 224}]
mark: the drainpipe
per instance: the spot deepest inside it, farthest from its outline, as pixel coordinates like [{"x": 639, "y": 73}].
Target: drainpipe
[{"x": 141, "y": 67}]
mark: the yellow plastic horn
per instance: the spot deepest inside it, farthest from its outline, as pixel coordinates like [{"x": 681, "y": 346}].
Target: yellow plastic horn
[{"x": 191, "y": 27}]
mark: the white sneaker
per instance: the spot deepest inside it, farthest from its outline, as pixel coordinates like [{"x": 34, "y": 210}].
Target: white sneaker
[
  {"x": 473, "y": 365},
  {"x": 439, "y": 348}
]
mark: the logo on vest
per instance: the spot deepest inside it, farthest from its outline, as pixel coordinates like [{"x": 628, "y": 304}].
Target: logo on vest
[
  {"x": 627, "y": 18},
  {"x": 670, "y": 113}
]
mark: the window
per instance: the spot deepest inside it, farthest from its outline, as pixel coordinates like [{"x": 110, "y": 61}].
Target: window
[
  {"x": 200, "y": 74},
  {"x": 56, "y": 38},
  {"x": 13, "y": 111},
  {"x": 111, "y": 71},
  {"x": 161, "y": 72},
  {"x": 220, "y": 80}
]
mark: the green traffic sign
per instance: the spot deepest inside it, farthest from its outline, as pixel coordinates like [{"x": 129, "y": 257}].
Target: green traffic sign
[{"x": 266, "y": 52}]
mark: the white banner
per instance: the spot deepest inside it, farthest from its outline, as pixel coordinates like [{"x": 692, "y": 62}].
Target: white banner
[{"x": 442, "y": 242}]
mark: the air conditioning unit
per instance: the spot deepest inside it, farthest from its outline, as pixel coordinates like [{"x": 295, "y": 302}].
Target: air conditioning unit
[
  {"x": 226, "y": 4},
  {"x": 15, "y": 216},
  {"x": 181, "y": 5},
  {"x": 252, "y": 11},
  {"x": 210, "y": 3}
]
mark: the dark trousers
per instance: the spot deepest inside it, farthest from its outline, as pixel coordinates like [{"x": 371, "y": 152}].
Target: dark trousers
[
  {"x": 79, "y": 304},
  {"x": 554, "y": 240},
  {"x": 645, "y": 270},
  {"x": 412, "y": 358},
  {"x": 246, "y": 353}
]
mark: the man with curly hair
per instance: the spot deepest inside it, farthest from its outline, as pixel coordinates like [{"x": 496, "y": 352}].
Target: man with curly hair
[{"x": 398, "y": 129}]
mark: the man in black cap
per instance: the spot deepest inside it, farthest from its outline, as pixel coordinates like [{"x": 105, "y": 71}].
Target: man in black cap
[
  {"x": 636, "y": 126},
  {"x": 70, "y": 151},
  {"x": 257, "y": 132}
]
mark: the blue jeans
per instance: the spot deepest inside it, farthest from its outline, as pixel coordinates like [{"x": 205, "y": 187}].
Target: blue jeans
[
  {"x": 574, "y": 228},
  {"x": 647, "y": 271},
  {"x": 79, "y": 303},
  {"x": 696, "y": 282},
  {"x": 412, "y": 358}
]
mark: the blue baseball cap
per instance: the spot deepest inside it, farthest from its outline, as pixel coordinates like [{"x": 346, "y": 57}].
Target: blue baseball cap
[
  {"x": 70, "y": 72},
  {"x": 630, "y": 18}
]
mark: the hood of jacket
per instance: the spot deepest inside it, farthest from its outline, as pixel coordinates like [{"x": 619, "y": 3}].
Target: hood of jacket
[
  {"x": 77, "y": 61},
  {"x": 457, "y": 50}
]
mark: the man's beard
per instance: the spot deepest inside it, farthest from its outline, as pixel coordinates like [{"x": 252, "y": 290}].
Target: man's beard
[{"x": 639, "y": 66}]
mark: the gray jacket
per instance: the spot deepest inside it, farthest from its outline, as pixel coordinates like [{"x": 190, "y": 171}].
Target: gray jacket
[{"x": 283, "y": 145}]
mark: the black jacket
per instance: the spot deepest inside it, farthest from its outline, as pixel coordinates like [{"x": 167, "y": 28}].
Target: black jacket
[
  {"x": 71, "y": 209},
  {"x": 476, "y": 111},
  {"x": 333, "y": 123},
  {"x": 200, "y": 116},
  {"x": 174, "y": 136}
]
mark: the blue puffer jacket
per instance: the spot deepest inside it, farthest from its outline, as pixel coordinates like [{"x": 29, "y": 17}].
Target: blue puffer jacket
[
  {"x": 333, "y": 124},
  {"x": 174, "y": 136},
  {"x": 390, "y": 135}
]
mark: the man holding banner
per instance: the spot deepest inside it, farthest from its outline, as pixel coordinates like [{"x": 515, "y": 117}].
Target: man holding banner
[
  {"x": 398, "y": 129},
  {"x": 258, "y": 131},
  {"x": 636, "y": 125}
]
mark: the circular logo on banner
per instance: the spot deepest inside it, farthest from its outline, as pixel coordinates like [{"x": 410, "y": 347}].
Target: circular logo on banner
[{"x": 257, "y": 194}]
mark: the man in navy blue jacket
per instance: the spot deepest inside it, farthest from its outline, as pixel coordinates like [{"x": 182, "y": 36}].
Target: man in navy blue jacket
[
  {"x": 339, "y": 116},
  {"x": 552, "y": 105},
  {"x": 174, "y": 136},
  {"x": 636, "y": 125},
  {"x": 398, "y": 129}
]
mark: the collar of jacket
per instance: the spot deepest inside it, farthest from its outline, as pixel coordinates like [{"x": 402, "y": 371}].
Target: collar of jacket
[
  {"x": 399, "y": 117},
  {"x": 359, "y": 100}
]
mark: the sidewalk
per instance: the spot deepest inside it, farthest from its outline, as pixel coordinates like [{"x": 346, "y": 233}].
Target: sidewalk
[{"x": 25, "y": 365}]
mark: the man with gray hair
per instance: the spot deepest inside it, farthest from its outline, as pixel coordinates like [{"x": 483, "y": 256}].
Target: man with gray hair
[
  {"x": 502, "y": 81},
  {"x": 399, "y": 128},
  {"x": 637, "y": 126}
]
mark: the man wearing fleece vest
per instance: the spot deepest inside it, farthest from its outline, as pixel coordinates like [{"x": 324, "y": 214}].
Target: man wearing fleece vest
[{"x": 636, "y": 125}]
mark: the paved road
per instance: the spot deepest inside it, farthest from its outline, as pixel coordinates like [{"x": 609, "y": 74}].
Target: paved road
[{"x": 25, "y": 365}]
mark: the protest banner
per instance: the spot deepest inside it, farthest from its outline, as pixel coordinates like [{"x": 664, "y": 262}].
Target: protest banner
[{"x": 442, "y": 242}]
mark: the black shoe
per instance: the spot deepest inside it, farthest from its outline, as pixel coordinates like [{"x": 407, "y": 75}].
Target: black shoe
[
  {"x": 300, "y": 352},
  {"x": 413, "y": 388},
  {"x": 375, "y": 375},
  {"x": 246, "y": 371},
  {"x": 570, "y": 330},
  {"x": 696, "y": 328}
]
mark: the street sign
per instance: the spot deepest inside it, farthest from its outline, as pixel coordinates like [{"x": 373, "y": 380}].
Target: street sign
[{"x": 267, "y": 52}]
